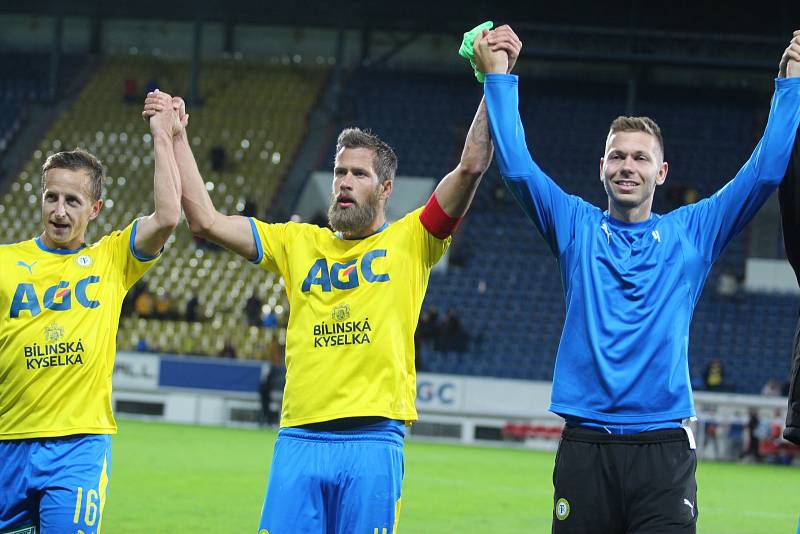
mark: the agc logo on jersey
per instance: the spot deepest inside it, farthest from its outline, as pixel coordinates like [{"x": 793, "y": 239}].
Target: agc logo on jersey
[
  {"x": 344, "y": 275},
  {"x": 56, "y": 298}
]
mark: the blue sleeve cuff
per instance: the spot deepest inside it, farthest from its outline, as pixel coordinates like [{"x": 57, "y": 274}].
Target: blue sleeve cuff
[
  {"x": 257, "y": 239},
  {"x": 786, "y": 82},
  {"x": 140, "y": 257},
  {"x": 512, "y": 79}
]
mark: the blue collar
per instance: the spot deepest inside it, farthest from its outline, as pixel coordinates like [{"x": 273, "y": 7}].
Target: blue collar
[
  {"x": 45, "y": 248},
  {"x": 379, "y": 230}
]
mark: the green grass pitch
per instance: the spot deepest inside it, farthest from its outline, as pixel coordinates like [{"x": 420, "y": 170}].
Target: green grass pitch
[{"x": 179, "y": 479}]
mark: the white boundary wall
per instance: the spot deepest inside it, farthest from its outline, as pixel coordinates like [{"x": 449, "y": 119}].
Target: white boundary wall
[{"x": 455, "y": 408}]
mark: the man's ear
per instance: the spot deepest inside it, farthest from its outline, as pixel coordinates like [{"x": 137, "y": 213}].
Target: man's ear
[
  {"x": 662, "y": 173},
  {"x": 386, "y": 189},
  {"x": 97, "y": 206}
]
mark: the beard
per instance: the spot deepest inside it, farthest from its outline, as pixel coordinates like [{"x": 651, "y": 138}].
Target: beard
[{"x": 357, "y": 218}]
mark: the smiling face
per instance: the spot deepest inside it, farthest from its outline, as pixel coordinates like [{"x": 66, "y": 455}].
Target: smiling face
[
  {"x": 358, "y": 196},
  {"x": 630, "y": 171},
  {"x": 67, "y": 207}
]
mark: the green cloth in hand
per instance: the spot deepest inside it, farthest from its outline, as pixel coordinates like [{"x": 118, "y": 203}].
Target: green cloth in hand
[{"x": 466, "y": 47}]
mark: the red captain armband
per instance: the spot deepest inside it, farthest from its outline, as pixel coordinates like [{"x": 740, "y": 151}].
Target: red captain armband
[{"x": 436, "y": 221}]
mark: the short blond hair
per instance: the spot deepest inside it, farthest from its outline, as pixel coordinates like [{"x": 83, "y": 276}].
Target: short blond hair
[{"x": 638, "y": 124}]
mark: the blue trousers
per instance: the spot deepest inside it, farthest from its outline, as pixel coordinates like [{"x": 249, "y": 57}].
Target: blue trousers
[
  {"x": 335, "y": 482},
  {"x": 58, "y": 485}
]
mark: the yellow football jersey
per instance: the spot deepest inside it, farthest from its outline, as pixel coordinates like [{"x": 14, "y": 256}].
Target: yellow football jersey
[
  {"x": 354, "y": 306},
  {"x": 60, "y": 313}
]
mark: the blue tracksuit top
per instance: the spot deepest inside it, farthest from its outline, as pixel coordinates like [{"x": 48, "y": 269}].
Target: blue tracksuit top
[{"x": 631, "y": 288}]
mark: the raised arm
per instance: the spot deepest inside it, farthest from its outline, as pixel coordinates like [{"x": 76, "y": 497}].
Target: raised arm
[
  {"x": 153, "y": 230},
  {"x": 230, "y": 231},
  {"x": 456, "y": 190},
  {"x": 717, "y": 219},
  {"x": 547, "y": 205}
]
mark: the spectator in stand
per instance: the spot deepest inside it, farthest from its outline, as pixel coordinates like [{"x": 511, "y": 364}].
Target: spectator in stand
[
  {"x": 460, "y": 251},
  {"x": 419, "y": 362},
  {"x": 163, "y": 306},
  {"x": 252, "y": 310},
  {"x": 753, "y": 441},
  {"x": 714, "y": 377},
  {"x": 228, "y": 350},
  {"x": 772, "y": 388},
  {"x": 191, "y": 309},
  {"x": 427, "y": 329},
  {"x": 270, "y": 320},
  {"x": 690, "y": 196},
  {"x": 727, "y": 285},
  {"x": 218, "y": 158},
  {"x": 735, "y": 437},
  {"x": 452, "y": 335},
  {"x": 144, "y": 305},
  {"x": 272, "y": 386},
  {"x": 711, "y": 429},
  {"x": 130, "y": 92},
  {"x": 151, "y": 85},
  {"x": 142, "y": 345}
]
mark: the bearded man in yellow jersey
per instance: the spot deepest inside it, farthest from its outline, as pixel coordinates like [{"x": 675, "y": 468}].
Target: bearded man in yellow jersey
[
  {"x": 60, "y": 302},
  {"x": 355, "y": 296}
]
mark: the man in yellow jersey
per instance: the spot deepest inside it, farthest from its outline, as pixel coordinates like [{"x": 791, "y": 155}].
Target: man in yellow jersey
[
  {"x": 355, "y": 296},
  {"x": 60, "y": 302}
]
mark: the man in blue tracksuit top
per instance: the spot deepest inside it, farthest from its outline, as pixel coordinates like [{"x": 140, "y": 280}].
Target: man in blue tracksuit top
[{"x": 631, "y": 281}]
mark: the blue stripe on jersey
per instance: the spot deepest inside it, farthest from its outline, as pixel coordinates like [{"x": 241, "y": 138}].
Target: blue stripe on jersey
[
  {"x": 631, "y": 289},
  {"x": 140, "y": 257},
  {"x": 45, "y": 248},
  {"x": 259, "y": 248}
]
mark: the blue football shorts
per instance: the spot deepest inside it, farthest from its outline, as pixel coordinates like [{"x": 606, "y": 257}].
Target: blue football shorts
[
  {"x": 335, "y": 482},
  {"x": 54, "y": 485}
]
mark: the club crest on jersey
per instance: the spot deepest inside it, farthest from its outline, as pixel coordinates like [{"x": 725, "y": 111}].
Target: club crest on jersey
[
  {"x": 345, "y": 275},
  {"x": 53, "y": 333},
  {"x": 84, "y": 261},
  {"x": 340, "y": 312},
  {"x": 56, "y": 298}
]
